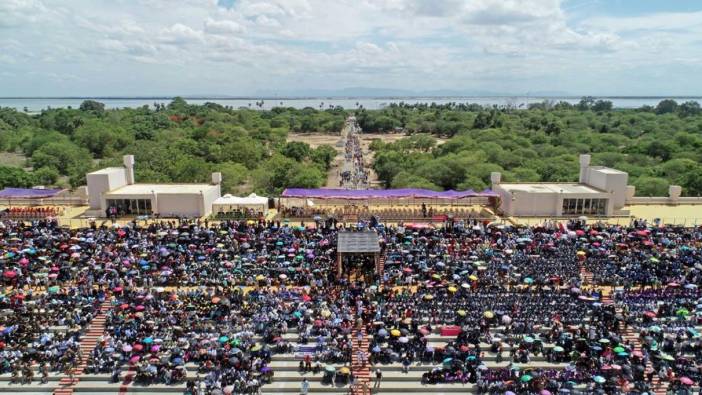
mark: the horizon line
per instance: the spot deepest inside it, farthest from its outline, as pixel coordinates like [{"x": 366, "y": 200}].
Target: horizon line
[{"x": 265, "y": 97}]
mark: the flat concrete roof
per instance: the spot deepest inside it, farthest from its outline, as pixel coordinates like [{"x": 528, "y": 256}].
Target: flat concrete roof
[
  {"x": 358, "y": 242},
  {"x": 607, "y": 170},
  {"x": 565, "y": 188},
  {"x": 107, "y": 170},
  {"x": 146, "y": 189}
]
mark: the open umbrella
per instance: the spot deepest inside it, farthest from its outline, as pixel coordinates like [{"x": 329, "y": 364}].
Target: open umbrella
[
  {"x": 599, "y": 379},
  {"x": 683, "y": 312},
  {"x": 525, "y": 378}
]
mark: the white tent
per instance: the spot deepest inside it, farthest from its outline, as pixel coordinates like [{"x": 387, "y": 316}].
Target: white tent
[{"x": 229, "y": 203}]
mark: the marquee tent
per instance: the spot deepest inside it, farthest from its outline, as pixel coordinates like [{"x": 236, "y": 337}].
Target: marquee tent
[
  {"x": 404, "y": 193},
  {"x": 23, "y": 193},
  {"x": 228, "y": 203}
]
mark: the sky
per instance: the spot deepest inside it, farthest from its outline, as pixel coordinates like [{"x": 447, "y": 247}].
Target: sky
[{"x": 288, "y": 47}]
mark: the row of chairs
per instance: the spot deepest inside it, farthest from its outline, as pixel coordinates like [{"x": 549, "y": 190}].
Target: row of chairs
[
  {"x": 407, "y": 213},
  {"x": 29, "y": 213}
]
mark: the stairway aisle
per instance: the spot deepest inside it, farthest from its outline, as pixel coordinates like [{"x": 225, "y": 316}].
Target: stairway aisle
[
  {"x": 632, "y": 337},
  {"x": 585, "y": 275},
  {"x": 360, "y": 367},
  {"x": 87, "y": 344}
]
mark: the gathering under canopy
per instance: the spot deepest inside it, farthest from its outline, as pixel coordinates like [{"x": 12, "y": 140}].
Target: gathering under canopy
[
  {"x": 26, "y": 193},
  {"x": 228, "y": 202},
  {"x": 403, "y": 193}
]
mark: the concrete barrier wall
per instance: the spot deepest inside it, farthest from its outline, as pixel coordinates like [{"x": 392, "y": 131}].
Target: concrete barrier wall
[{"x": 663, "y": 200}]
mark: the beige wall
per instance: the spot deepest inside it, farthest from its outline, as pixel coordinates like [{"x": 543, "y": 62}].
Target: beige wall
[
  {"x": 614, "y": 183},
  {"x": 176, "y": 204},
  {"x": 210, "y": 194},
  {"x": 546, "y": 204},
  {"x": 100, "y": 183}
]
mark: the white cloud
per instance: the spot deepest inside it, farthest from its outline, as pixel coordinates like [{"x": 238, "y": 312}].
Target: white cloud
[
  {"x": 223, "y": 27},
  {"x": 18, "y": 12},
  {"x": 180, "y": 34},
  {"x": 500, "y": 45}
]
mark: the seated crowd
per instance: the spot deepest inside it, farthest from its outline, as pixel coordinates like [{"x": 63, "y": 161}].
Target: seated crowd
[{"x": 220, "y": 300}]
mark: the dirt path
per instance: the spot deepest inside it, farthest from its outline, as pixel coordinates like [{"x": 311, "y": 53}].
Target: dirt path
[{"x": 317, "y": 139}]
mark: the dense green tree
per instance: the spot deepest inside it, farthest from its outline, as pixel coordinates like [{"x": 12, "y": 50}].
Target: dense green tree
[
  {"x": 45, "y": 176},
  {"x": 689, "y": 109},
  {"x": 296, "y": 150},
  {"x": 666, "y": 106},
  {"x": 93, "y": 106},
  {"x": 15, "y": 177},
  {"x": 693, "y": 181},
  {"x": 65, "y": 157},
  {"x": 101, "y": 138},
  {"x": 651, "y": 186},
  {"x": 233, "y": 176},
  {"x": 323, "y": 156},
  {"x": 405, "y": 179},
  {"x": 602, "y": 105}
]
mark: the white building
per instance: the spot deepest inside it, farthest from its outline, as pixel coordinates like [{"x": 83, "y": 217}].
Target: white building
[
  {"x": 115, "y": 187},
  {"x": 601, "y": 191}
]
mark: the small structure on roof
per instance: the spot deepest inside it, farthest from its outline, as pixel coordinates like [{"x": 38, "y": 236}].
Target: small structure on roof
[{"x": 361, "y": 243}]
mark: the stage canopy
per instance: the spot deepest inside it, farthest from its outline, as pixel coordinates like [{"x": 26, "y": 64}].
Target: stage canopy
[
  {"x": 227, "y": 202},
  {"x": 404, "y": 193},
  {"x": 23, "y": 193}
]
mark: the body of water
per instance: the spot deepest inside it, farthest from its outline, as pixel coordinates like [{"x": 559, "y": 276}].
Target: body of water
[{"x": 38, "y": 104}]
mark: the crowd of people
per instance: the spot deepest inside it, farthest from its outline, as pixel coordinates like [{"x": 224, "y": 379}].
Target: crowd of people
[
  {"x": 354, "y": 174},
  {"x": 30, "y": 213},
  {"x": 477, "y": 301}
]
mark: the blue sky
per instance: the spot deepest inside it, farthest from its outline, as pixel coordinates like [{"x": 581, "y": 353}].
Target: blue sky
[{"x": 244, "y": 47}]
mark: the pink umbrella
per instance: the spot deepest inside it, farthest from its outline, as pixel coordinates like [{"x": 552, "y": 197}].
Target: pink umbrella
[
  {"x": 117, "y": 289},
  {"x": 24, "y": 261},
  {"x": 10, "y": 274},
  {"x": 155, "y": 348},
  {"x": 54, "y": 268},
  {"x": 53, "y": 275},
  {"x": 134, "y": 359},
  {"x": 140, "y": 308},
  {"x": 75, "y": 255},
  {"x": 127, "y": 348},
  {"x": 137, "y": 347},
  {"x": 686, "y": 381}
]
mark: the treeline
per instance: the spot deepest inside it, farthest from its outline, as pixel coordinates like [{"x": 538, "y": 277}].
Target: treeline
[
  {"x": 657, "y": 146},
  {"x": 177, "y": 142}
]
